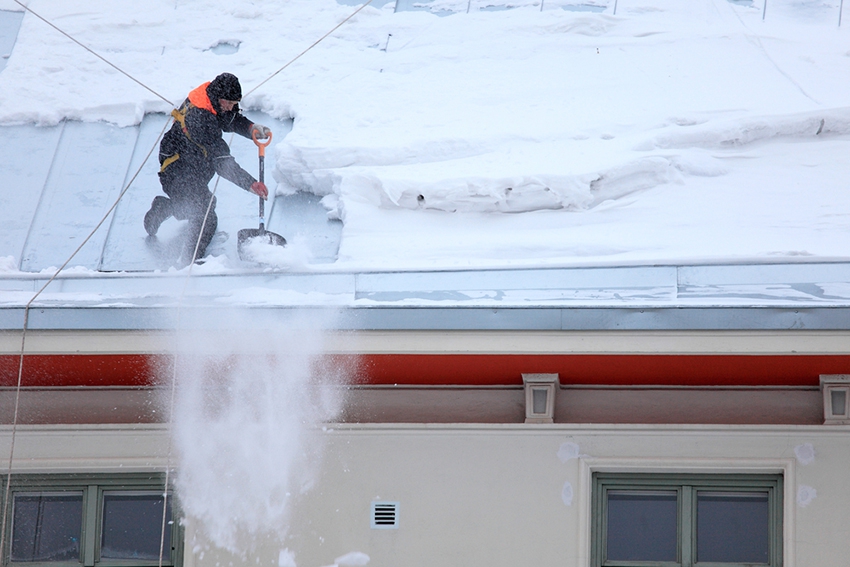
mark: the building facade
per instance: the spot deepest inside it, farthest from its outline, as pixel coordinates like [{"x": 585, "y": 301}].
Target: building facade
[{"x": 463, "y": 434}]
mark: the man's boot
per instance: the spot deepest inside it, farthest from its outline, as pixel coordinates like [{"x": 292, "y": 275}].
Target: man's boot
[{"x": 160, "y": 211}]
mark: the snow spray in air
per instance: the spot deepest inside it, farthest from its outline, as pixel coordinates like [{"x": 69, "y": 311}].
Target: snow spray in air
[{"x": 249, "y": 406}]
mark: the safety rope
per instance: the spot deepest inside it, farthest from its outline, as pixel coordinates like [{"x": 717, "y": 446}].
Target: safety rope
[
  {"x": 172, "y": 397},
  {"x": 173, "y": 393},
  {"x": 27, "y": 308},
  {"x": 189, "y": 274},
  {"x": 85, "y": 241},
  {"x": 28, "y": 305},
  {"x": 314, "y": 44},
  {"x": 126, "y": 74}
]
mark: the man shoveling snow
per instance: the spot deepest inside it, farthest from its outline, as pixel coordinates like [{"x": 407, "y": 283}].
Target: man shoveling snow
[{"x": 192, "y": 152}]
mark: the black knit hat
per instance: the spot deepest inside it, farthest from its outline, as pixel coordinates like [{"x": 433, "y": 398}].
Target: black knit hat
[{"x": 225, "y": 86}]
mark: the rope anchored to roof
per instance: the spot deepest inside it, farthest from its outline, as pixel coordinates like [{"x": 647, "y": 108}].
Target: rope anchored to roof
[
  {"x": 111, "y": 64},
  {"x": 27, "y": 308}
]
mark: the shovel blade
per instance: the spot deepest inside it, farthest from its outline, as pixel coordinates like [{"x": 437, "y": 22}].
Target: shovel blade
[{"x": 247, "y": 235}]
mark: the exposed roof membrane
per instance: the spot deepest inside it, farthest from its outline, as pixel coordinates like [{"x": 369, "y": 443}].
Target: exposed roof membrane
[
  {"x": 59, "y": 181},
  {"x": 10, "y": 23}
]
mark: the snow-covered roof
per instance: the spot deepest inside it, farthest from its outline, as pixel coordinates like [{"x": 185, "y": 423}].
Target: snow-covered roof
[{"x": 528, "y": 155}]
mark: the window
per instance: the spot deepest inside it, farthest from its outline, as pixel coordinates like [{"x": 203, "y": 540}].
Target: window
[
  {"x": 686, "y": 520},
  {"x": 90, "y": 521}
]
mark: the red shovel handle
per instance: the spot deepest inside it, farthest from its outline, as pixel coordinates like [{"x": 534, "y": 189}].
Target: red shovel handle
[{"x": 261, "y": 145}]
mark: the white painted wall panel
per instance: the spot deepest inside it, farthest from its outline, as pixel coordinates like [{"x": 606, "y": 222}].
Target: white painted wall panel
[{"x": 490, "y": 495}]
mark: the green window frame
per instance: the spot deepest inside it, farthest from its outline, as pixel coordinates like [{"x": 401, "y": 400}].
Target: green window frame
[
  {"x": 668, "y": 508},
  {"x": 102, "y": 508}
]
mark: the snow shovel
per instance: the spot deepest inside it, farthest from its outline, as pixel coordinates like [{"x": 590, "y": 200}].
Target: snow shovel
[{"x": 261, "y": 234}]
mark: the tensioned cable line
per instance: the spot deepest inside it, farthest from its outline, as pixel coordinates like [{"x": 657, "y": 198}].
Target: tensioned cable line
[
  {"x": 754, "y": 39},
  {"x": 126, "y": 74},
  {"x": 27, "y": 308},
  {"x": 90, "y": 235},
  {"x": 314, "y": 44},
  {"x": 28, "y": 305},
  {"x": 172, "y": 396}
]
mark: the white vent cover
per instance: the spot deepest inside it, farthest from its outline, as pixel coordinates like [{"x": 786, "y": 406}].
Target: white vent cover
[{"x": 384, "y": 515}]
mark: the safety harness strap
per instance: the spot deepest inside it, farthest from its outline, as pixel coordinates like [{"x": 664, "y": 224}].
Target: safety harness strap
[
  {"x": 168, "y": 161},
  {"x": 179, "y": 116}
]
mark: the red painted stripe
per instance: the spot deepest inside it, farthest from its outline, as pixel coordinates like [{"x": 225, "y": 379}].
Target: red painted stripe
[
  {"x": 463, "y": 369},
  {"x": 616, "y": 369},
  {"x": 81, "y": 369}
]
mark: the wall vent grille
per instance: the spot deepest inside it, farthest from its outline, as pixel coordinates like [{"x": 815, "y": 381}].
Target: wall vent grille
[{"x": 384, "y": 515}]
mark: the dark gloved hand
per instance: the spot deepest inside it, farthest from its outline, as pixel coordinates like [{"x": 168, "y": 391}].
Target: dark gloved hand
[
  {"x": 260, "y": 132},
  {"x": 259, "y": 188}
]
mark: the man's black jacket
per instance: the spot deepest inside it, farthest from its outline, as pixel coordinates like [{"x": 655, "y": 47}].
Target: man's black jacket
[{"x": 194, "y": 147}]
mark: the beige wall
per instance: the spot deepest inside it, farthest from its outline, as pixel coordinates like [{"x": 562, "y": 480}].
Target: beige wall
[{"x": 489, "y": 495}]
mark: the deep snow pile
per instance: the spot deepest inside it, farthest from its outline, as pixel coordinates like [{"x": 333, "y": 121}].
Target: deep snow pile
[{"x": 671, "y": 131}]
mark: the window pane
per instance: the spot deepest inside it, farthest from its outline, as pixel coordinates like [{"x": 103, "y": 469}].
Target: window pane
[
  {"x": 132, "y": 526},
  {"x": 538, "y": 400},
  {"x": 732, "y": 527},
  {"x": 642, "y": 525},
  {"x": 839, "y": 402},
  {"x": 47, "y": 526}
]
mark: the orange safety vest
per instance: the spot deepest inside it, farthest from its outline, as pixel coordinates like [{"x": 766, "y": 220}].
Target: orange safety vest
[
  {"x": 201, "y": 99},
  {"x": 198, "y": 98}
]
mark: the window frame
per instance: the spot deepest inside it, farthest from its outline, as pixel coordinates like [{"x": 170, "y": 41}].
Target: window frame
[
  {"x": 93, "y": 487},
  {"x": 687, "y": 486}
]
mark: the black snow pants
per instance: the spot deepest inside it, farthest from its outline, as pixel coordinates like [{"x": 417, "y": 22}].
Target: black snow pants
[{"x": 189, "y": 199}]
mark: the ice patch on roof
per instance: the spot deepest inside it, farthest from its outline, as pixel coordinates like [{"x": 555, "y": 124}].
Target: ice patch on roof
[{"x": 226, "y": 46}]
